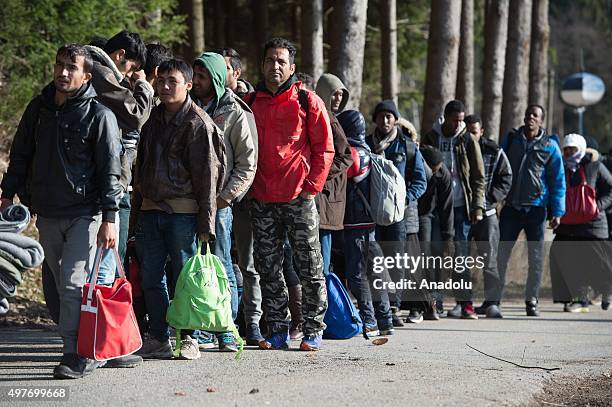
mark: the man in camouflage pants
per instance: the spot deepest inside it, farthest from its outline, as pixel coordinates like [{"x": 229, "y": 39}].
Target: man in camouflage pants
[{"x": 295, "y": 155}]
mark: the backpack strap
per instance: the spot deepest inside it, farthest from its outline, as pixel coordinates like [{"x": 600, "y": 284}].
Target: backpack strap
[{"x": 410, "y": 158}]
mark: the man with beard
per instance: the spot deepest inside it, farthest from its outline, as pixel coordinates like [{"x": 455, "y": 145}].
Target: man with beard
[{"x": 65, "y": 165}]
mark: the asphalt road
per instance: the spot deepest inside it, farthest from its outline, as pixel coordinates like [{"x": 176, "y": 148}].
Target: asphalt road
[{"x": 425, "y": 364}]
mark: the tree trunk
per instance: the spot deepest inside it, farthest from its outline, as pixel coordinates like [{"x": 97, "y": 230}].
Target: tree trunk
[
  {"x": 442, "y": 59},
  {"x": 538, "y": 61},
  {"x": 219, "y": 23},
  {"x": 516, "y": 77},
  {"x": 296, "y": 16},
  {"x": 465, "y": 71},
  {"x": 388, "y": 50},
  {"x": 229, "y": 24},
  {"x": 261, "y": 21},
  {"x": 312, "y": 38},
  {"x": 195, "y": 31},
  {"x": 496, "y": 37},
  {"x": 349, "y": 64}
]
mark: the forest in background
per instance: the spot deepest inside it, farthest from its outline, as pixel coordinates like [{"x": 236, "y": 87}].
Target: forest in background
[{"x": 420, "y": 52}]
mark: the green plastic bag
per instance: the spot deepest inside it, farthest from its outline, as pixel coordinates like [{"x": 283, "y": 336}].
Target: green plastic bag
[{"x": 202, "y": 298}]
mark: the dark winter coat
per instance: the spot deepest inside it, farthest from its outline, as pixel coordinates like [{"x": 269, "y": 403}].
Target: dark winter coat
[{"x": 65, "y": 161}]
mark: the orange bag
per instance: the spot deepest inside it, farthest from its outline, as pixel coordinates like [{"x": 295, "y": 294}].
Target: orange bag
[{"x": 108, "y": 327}]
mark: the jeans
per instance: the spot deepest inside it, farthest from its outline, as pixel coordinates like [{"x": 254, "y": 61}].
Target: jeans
[
  {"x": 243, "y": 238},
  {"x": 394, "y": 237},
  {"x": 125, "y": 206},
  {"x": 325, "y": 237},
  {"x": 462, "y": 232},
  {"x": 530, "y": 219},
  {"x": 161, "y": 235},
  {"x": 223, "y": 248},
  {"x": 373, "y": 304},
  {"x": 486, "y": 235},
  {"x": 108, "y": 265}
]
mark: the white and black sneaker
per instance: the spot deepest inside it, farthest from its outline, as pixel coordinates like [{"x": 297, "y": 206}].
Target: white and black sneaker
[
  {"x": 414, "y": 317},
  {"x": 73, "y": 366}
]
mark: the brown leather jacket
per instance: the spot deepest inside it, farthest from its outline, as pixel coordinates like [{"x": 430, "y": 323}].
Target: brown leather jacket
[{"x": 182, "y": 160}]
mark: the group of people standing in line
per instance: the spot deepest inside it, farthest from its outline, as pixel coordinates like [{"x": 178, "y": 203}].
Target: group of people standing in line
[{"x": 128, "y": 140}]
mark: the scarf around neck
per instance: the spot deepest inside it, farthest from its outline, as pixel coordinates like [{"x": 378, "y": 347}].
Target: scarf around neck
[{"x": 382, "y": 142}]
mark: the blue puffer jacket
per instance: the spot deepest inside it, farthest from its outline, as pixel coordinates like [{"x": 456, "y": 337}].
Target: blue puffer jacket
[{"x": 539, "y": 177}]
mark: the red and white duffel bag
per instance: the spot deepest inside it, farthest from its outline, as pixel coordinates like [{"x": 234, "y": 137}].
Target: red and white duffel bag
[{"x": 108, "y": 327}]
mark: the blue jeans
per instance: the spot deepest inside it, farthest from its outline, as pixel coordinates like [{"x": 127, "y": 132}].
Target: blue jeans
[
  {"x": 161, "y": 235},
  {"x": 394, "y": 236},
  {"x": 531, "y": 219},
  {"x": 360, "y": 247},
  {"x": 462, "y": 232},
  {"x": 223, "y": 248},
  {"x": 108, "y": 265},
  {"x": 325, "y": 237}
]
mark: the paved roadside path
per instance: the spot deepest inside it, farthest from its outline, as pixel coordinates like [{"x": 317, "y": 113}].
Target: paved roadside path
[{"x": 425, "y": 364}]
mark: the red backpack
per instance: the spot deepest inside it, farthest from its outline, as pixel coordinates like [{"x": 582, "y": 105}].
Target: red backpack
[{"x": 580, "y": 201}]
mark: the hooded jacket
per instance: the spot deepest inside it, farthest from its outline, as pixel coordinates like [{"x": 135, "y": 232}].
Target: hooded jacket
[
  {"x": 538, "y": 174},
  {"x": 356, "y": 214},
  {"x": 597, "y": 176},
  {"x": 181, "y": 164},
  {"x": 131, "y": 107},
  {"x": 295, "y": 148},
  {"x": 498, "y": 174},
  {"x": 466, "y": 152},
  {"x": 64, "y": 161},
  {"x": 331, "y": 201},
  {"x": 327, "y": 85},
  {"x": 235, "y": 119},
  {"x": 438, "y": 197}
]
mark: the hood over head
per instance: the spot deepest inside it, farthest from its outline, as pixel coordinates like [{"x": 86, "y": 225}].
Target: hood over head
[
  {"x": 215, "y": 65},
  {"x": 327, "y": 85},
  {"x": 354, "y": 127}
]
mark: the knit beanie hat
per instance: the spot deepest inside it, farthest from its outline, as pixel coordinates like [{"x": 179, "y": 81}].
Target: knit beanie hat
[{"x": 386, "y": 105}]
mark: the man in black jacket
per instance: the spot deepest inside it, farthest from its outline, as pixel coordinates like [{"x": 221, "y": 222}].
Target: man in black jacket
[
  {"x": 65, "y": 165},
  {"x": 436, "y": 222},
  {"x": 498, "y": 181}
]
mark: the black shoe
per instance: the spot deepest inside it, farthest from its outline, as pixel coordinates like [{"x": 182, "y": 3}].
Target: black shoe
[
  {"x": 124, "y": 362},
  {"x": 72, "y": 366},
  {"x": 397, "y": 321},
  {"x": 531, "y": 307},
  {"x": 253, "y": 336},
  {"x": 605, "y": 305},
  {"x": 439, "y": 307},
  {"x": 482, "y": 310}
]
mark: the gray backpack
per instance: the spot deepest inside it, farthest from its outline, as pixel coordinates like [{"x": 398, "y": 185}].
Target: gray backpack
[{"x": 387, "y": 192}]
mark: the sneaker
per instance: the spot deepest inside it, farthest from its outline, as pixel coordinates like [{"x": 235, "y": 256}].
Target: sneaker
[
  {"x": 227, "y": 342},
  {"x": 311, "y": 342},
  {"x": 467, "y": 311},
  {"x": 414, "y": 317},
  {"x": 73, "y": 366},
  {"x": 396, "y": 320},
  {"x": 189, "y": 349},
  {"x": 372, "y": 331},
  {"x": 605, "y": 305},
  {"x": 386, "y": 330},
  {"x": 439, "y": 307},
  {"x": 482, "y": 309},
  {"x": 253, "y": 335},
  {"x": 155, "y": 349},
  {"x": 431, "y": 315},
  {"x": 531, "y": 308},
  {"x": 127, "y": 361},
  {"x": 206, "y": 340},
  {"x": 277, "y": 341},
  {"x": 493, "y": 311},
  {"x": 455, "y": 312},
  {"x": 576, "y": 306}
]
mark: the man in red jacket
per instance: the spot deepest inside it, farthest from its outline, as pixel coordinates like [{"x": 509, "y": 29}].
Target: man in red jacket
[{"x": 295, "y": 155}]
